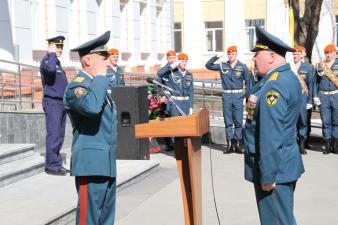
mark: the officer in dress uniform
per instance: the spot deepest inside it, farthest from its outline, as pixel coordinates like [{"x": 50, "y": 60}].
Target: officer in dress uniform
[
  {"x": 90, "y": 107},
  {"x": 171, "y": 63},
  {"x": 54, "y": 83},
  {"x": 326, "y": 95},
  {"x": 114, "y": 72},
  {"x": 179, "y": 79},
  {"x": 305, "y": 76},
  {"x": 233, "y": 73},
  {"x": 273, "y": 162}
]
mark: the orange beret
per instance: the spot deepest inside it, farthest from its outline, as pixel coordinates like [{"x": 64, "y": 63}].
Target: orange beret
[
  {"x": 113, "y": 51},
  {"x": 232, "y": 49},
  {"x": 182, "y": 56},
  {"x": 329, "y": 48},
  {"x": 171, "y": 53},
  {"x": 299, "y": 48}
]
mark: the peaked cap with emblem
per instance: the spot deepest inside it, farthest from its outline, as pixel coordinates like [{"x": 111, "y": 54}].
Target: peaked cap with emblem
[
  {"x": 97, "y": 45},
  {"x": 266, "y": 41},
  {"x": 58, "y": 40}
]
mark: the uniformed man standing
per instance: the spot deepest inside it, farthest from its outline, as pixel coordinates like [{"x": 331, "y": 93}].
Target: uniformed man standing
[
  {"x": 305, "y": 76},
  {"x": 54, "y": 83},
  {"x": 114, "y": 72},
  {"x": 93, "y": 115},
  {"x": 233, "y": 73},
  {"x": 273, "y": 162},
  {"x": 326, "y": 95},
  {"x": 181, "y": 80}
]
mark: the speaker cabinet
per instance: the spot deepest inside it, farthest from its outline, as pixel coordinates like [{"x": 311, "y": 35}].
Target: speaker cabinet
[{"x": 131, "y": 108}]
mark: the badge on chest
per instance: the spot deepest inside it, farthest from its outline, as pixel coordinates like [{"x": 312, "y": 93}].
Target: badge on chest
[{"x": 250, "y": 106}]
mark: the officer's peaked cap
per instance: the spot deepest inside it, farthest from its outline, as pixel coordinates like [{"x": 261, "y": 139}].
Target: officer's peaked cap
[
  {"x": 266, "y": 41},
  {"x": 58, "y": 40},
  {"x": 97, "y": 45}
]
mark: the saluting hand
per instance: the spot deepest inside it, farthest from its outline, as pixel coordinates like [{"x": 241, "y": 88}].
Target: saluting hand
[
  {"x": 268, "y": 187},
  {"x": 51, "y": 48},
  {"x": 100, "y": 65}
]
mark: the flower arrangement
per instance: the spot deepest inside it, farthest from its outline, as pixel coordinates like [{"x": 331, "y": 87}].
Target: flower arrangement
[{"x": 157, "y": 104}]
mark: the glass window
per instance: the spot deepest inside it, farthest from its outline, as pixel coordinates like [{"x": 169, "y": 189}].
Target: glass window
[
  {"x": 251, "y": 31},
  {"x": 178, "y": 36},
  {"x": 214, "y": 36}
]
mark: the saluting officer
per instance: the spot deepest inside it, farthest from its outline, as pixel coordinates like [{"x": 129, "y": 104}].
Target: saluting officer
[
  {"x": 171, "y": 58},
  {"x": 114, "y": 72},
  {"x": 93, "y": 115},
  {"x": 233, "y": 73},
  {"x": 178, "y": 78},
  {"x": 305, "y": 73},
  {"x": 273, "y": 162},
  {"x": 54, "y": 83},
  {"x": 326, "y": 95}
]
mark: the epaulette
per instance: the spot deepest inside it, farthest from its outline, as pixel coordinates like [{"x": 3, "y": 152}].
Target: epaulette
[
  {"x": 274, "y": 76},
  {"x": 79, "y": 79}
]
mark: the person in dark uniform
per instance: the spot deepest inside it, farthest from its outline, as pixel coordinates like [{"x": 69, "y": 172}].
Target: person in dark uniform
[
  {"x": 54, "y": 83},
  {"x": 273, "y": 162},
  {"x": 114, "y": 72},
  {"x": 305, "y": 75},
  {"x": 181, "y": 80},
  {"x": 326, "y": 96},
  {"x": 233, "y": 73},
  {"x": 92, "y": 112}
]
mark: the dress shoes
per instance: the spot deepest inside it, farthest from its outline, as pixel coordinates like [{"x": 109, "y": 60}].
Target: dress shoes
[{"x": 60, "y": 172}]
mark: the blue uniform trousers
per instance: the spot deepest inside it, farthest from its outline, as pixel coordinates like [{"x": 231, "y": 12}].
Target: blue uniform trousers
[
  {"x": 96, "y": 200},
  {"x": 233, "y": 115},
  {"x": 55, "y": 126},
  {"x": 329, "y": 115},
  {"x": 302, "y": 119},
  {"x": 183, "y": 104},
  {"x": 276, "y": 207}
]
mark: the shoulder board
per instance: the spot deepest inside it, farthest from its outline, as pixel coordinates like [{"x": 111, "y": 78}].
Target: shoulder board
[
  {"x": 303, "y": 71},
  {"x": 274, "y": 76},
  {"x": 79, "y": 79},
  {"x": 239, "y": 68}
]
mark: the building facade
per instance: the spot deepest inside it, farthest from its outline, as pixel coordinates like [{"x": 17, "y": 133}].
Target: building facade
[
  {"x": 141, "y": 29},
  {"x": 203, "y": 28}
]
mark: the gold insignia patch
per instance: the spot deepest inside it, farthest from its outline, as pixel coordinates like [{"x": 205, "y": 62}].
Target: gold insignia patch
[
  {"x": 79, "y": 79},
  {"x": 80, "y": 91},
  {"x": 274, "y": 76},
  {"x": 272, "y": 98}
]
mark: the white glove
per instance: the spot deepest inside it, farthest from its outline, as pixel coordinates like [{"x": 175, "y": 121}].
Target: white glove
[
  {"x": 175, "y": 64},
  {"x": 316, "y": 101},
  {"x": 244, "y": 101},
  {"x": 190, "y": 111},
  {"x": 308, "y": 106},
  {"x": 219, "y": 55}
]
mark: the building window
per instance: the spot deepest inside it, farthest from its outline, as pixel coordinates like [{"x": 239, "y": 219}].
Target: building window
[
  {"x": 178, "y": 36},
  {"x": 214, "y": 36},
  {"x": 251, "y": 31}
]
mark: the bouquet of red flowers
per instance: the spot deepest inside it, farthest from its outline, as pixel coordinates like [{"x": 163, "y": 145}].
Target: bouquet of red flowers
[{"x": 157, "y": 104}]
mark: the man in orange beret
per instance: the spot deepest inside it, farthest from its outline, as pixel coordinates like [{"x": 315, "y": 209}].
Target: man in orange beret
[
  {"x": 305, "y": 73},
  {"x": 114, "y": 72},
  {"x": 233, "y": 73},
  {"x": 326, "y": 95}
]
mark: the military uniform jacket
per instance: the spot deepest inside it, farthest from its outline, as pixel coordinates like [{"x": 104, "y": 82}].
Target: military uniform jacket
[
  {"x": 183, "y": 84},
  {"x": 53, "y": 77},
  {"x": 116, "y": 77},
  {"x": 163, "y": 73},
  {"x": 271, "y": 150},
  {"x": 306, "y": 72},
  {"x": 322, "y": 82},
  {"x": 92, "y": 113},
  {"x": 232, "y": 78}
]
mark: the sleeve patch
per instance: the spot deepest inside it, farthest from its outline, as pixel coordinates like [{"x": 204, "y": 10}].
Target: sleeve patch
[
  {"x": 79, "y": 79},
  {"x": 80, "y": 91},
  {"x": 272, "y": 97}
]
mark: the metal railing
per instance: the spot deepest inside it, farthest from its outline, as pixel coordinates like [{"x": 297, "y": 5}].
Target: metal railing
[{"x": 21, "y": 89}]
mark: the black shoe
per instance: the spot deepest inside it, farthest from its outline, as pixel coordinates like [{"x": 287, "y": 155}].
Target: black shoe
[
  {"x": 327, "y": 147},
  {"x": 227, "y": 148},
  {"x": 238, "y": 148},
  {"x": 307, "y": 146},
  {"x": 65, "y": 169},
  {"x": 59, "y": 172},
  {"x": 302, "y": 147},
  {"x": 233, "y": 146}
]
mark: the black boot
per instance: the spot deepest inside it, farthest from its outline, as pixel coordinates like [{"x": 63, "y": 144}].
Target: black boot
[
  {"x": 307, "y": 146},
  {"x": 227, "y": 148},
  {"x": 233, "y": 145},
  {"x": 238, "y": 147},
  {"x": 327, "y": 147},
  {"x": 335, "y": 146},
  {"x": 302, "y": 147}
]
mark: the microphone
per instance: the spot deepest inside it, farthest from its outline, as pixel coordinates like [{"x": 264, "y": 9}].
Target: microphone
[{"x": 151, "y": 80}]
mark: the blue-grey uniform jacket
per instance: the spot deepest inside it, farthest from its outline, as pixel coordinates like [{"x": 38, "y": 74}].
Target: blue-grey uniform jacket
[
  {"x": 53, "y": 77},
  {"x": 116, "y": 77},
  {"x": 306, "y": 71},
  {"x": 92, "y": 113},
  {"x": 322, "y": 82},
  {"x": 271, "y": 149}
]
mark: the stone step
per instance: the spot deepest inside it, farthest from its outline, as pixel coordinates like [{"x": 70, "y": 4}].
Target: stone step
[
  {"x": 22, "y": 168},
  {"x": 12, "y": 152}
]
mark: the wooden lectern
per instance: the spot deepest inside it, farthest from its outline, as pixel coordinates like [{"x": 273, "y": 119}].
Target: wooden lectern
[{"x": 187, "y": 132}]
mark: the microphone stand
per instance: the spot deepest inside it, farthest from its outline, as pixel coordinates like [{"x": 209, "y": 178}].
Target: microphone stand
[{"x": 162, "y": 91}]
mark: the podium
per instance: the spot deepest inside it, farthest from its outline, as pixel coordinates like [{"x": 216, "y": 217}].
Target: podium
[{"x": 187, "y": 132}]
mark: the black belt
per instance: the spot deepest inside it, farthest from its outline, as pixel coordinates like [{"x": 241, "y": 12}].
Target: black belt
[{"x": 56, "y": 98}]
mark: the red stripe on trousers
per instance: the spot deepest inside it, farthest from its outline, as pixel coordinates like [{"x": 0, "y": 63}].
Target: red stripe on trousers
[{"x": 83, "y": 200}]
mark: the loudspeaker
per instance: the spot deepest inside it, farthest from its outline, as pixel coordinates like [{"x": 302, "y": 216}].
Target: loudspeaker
[{"x": 131, "y": 108}]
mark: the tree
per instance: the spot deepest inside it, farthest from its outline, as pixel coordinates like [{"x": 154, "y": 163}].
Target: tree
[{"x": 306, "y": 27}]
